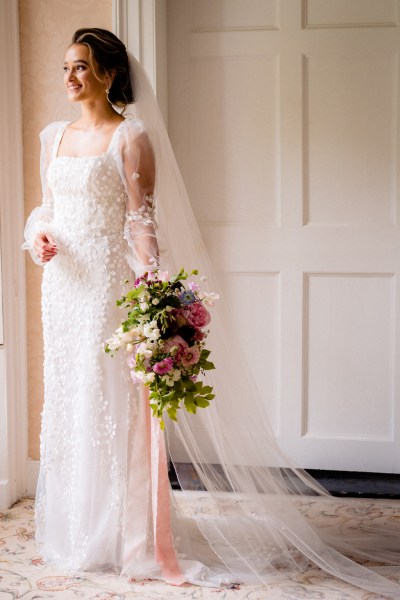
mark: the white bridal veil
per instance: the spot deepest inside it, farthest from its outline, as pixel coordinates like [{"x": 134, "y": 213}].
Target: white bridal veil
[{"x": 252, "y": 517}]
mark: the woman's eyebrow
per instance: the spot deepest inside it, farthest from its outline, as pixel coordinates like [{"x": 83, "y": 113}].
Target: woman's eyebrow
[{"x": 77, "y": 61}]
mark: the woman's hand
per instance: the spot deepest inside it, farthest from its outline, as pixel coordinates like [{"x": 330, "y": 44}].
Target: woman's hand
[{"x": 45, "y": 247}]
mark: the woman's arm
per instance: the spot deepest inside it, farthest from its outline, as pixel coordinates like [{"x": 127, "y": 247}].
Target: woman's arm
[
  {"x": 38, "y": 239},
  {"x": 140, "y": 224}
]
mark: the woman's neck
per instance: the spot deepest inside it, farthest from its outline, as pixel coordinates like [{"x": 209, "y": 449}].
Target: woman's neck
[{"x": 96, "y": 115}]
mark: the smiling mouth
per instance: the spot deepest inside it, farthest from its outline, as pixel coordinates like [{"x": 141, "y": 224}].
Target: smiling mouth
[{"x": 73, "y": 88}]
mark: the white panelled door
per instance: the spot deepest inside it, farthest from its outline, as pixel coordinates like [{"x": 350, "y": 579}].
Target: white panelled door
[{"x": 284, "y": 116}]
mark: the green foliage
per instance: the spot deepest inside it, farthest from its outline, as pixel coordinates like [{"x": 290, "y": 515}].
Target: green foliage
[
  {"x": 187, "y": 393},
  {"x": 154, "y": 301}
]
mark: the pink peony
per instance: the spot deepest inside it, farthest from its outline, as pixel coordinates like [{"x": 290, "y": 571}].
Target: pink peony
[
  {"x": 190, "y": 356},
  {"x": 197, "y": 315},
  {"x": 164, "y": 366}
]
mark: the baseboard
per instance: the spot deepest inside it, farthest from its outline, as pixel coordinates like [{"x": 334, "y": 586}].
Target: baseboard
[
  {"x": 338, "y": 483},
  {"x": 5, "y": 500},
  {"x": 358, "y": 484},
  {"x": 32, "y": 474}
]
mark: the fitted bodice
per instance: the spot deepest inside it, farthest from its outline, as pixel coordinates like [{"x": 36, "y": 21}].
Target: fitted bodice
[{"x": 89, "y": 196}]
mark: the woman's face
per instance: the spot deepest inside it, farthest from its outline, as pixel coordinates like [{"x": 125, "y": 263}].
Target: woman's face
[{"x": 81, "y": 82}]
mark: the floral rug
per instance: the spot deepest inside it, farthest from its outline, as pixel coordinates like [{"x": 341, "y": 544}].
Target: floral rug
[{"x": 24, "y": 575}]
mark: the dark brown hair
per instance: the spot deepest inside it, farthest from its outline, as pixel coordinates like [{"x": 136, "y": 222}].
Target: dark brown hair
[{"x": 110, "y": 54}]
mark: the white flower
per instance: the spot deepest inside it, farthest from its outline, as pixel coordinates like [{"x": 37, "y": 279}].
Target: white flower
[
  {"x": 208, "y": 298},
  {"x": 143, "y": 294},
  {"x": 155, "y": 301},
  {"x": 129, "y": 336},
  {"x": 152, "y": 276},
  {"x": 113, "y": 344},
  {"x": 155, "y": 334},
  {"x": 176, "y": 374},
  {"x": 142, "y": 376},
  {"x": 143, "y": 306},
  {"x": 172, "y": 377},
  {"x": 163, "y": 276},
  {"x": 141, "y": 347}
]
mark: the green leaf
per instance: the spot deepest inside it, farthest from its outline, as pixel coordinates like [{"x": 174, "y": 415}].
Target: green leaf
[
  {"x": 207, "y": 389},
  {"x": 190, "y": 406},
  {"x": 202, "y": 402},
  {"x": 207, "y": 365},
  {"x": 172, "y": 413}
]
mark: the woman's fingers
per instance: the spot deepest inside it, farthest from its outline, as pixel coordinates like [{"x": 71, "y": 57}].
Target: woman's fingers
[
  {"x": 51, "y": 240},
  {"x": 45, "y": 247}
]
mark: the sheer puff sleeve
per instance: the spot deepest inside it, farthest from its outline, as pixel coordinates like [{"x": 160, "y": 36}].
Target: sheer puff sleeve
[
  {"x": 137, "y": 168},
  {"x": 40, "y": 219}
]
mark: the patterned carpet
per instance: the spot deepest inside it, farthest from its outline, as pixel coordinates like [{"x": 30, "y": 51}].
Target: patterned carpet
[{"x": 24, "y": 575}]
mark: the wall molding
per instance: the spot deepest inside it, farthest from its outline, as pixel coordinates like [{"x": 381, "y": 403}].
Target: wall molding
[
  {"x": 13, "y": 398},
  {"x": 32, "y": 474}
]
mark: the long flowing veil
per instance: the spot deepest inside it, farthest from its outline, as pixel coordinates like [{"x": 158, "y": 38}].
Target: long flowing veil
[{"x": 251, "y": 518}]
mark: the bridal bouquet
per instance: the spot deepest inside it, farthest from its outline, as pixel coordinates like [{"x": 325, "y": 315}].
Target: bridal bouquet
[{"x": 164, "y": 335}]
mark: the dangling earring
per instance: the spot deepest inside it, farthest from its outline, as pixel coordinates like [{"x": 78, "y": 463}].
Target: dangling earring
[{"x": 107, "y": 92}]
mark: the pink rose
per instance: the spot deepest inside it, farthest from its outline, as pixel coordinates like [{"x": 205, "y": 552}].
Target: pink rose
[{"x": 197, "y": 315}]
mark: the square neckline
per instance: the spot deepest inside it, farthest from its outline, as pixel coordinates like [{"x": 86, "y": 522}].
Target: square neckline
[{"x": 60, "y": 135}]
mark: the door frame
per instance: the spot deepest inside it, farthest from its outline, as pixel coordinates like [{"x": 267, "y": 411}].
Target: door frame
[
  {"x": 142, "y": 26},
  {"x": 13, "y": 347}
]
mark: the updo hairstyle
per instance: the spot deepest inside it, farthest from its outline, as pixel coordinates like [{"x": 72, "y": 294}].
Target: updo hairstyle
[{"x": 110, "y": 54}]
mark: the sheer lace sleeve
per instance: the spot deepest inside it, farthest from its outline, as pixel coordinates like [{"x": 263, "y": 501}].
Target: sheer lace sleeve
[
  {"x": 42, "y": 216},
  {"x": 138, "y": 172}
]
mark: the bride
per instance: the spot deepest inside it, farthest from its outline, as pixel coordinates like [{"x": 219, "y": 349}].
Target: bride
[{"x": 113, "y": 205}]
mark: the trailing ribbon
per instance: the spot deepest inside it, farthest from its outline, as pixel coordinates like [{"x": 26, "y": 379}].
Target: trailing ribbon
[{"x": 165, "y": 553}]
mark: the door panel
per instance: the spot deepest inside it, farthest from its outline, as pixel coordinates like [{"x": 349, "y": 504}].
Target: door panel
[{"x": 284, "y": 116}]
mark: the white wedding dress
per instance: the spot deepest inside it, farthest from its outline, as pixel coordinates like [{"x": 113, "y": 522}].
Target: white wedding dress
[
  {"x": 89, "y": 402},
  {"x": 103, "y": 499}
]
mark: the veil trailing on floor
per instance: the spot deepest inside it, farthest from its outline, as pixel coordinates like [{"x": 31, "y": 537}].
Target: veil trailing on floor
[{"x": 251, "y": 524}]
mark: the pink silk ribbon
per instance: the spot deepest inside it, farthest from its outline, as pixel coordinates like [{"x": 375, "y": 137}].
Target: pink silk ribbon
[{"x": 165, "y": 553}]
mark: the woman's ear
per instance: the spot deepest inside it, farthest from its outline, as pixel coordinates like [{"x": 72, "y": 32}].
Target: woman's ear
[{"x": 109, "y": 77}]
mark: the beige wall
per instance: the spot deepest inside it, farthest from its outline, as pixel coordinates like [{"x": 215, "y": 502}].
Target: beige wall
[{"x": 46, "y": 27}]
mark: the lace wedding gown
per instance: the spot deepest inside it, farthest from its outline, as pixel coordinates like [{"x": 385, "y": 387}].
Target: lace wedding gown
[{"x": 103, "y": 499}]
